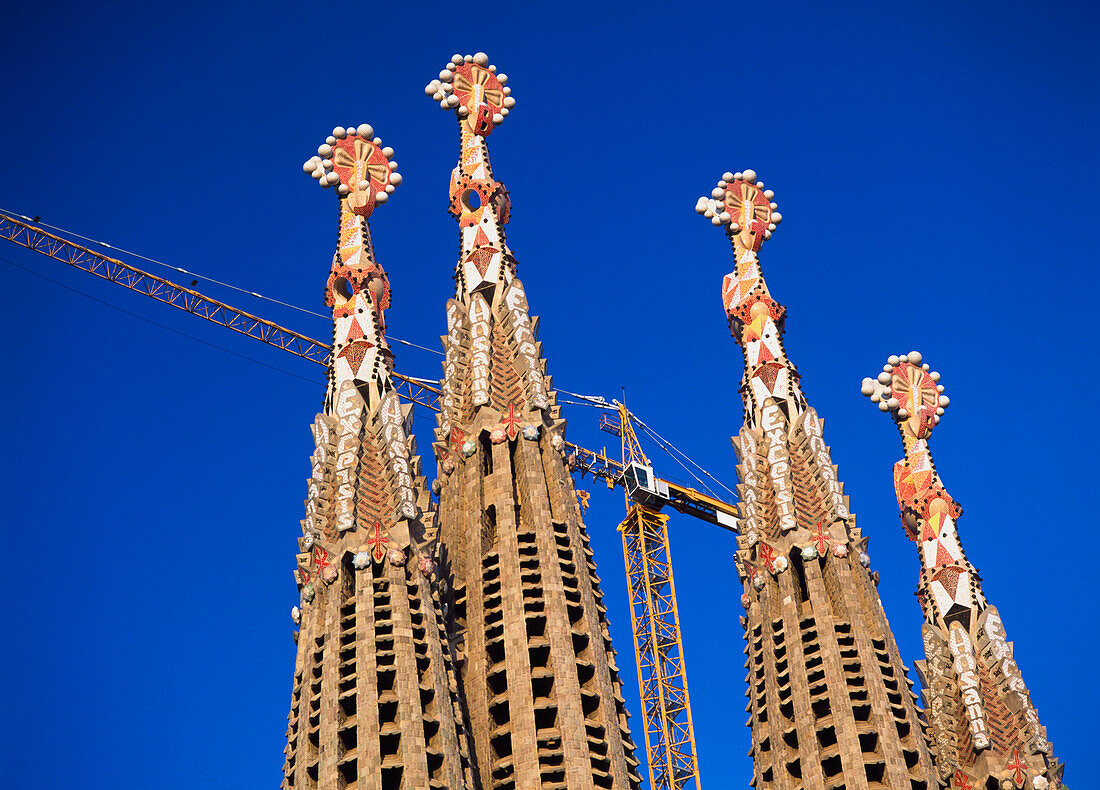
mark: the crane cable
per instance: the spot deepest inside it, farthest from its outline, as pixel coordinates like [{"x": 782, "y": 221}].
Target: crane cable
[{"x": 196, "y": 275}]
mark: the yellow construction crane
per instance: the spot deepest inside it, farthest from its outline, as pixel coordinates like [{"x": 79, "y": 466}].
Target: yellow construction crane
[{"x": 658, "y": 647}]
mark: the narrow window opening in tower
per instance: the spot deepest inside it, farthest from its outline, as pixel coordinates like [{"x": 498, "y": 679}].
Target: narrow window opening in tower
[
  {"x": 502, "y": 745},
  {"x": 486, "y": 453},
  {"x": 875, "y": 773},
  {"x": 831, "y": 765},
  {"x": 347, "y": 739},
  {"x": 500, "y": 713},
  {"x": 391, "y": 777},
  {"x": 868, "y": 743},
  {"x": 387, "y": 713},
  {"x": 498, "y": 682},
  {"x": 802, "y": 597},
  {"x": 489, "y": 534},
  {"x": 546, "y": 718}
]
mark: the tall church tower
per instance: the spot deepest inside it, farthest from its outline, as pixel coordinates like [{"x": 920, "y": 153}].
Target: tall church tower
[
  {"x": 984, "y": 730},
  {"x": 539, "y": 674},
  {"x": 830, "y": 705},
  {"x": 375, "y": 702}
]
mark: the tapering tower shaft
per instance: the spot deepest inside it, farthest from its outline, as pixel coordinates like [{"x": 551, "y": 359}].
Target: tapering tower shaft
[
  {"x": 539, "y": 672},
  {"x": 829, "y": 701},
  {"x": 376, "y": 702},
  {"x": 984, "y": 730}
]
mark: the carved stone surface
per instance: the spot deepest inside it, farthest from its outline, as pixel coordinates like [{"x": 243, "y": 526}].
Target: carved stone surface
[
  {"x": 375, "y": 701},
  {"x": 829, "y": 701},
  {"x": 542, "y": 688},
  {"x": 982, "y": 723}
]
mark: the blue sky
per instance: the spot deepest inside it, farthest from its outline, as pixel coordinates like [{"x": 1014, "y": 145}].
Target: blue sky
[{"x": 936, "y": 167}]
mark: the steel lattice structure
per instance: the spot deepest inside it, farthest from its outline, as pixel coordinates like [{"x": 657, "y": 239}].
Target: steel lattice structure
[
  {"x": 190, "y": 301},
  {"x": 658, "y": 649}
]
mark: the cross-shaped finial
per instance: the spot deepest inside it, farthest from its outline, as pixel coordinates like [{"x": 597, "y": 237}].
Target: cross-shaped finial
[
  {"x": 354, "y": 161},
  {"x": 910, "y": 392},
  {"x": 471, "y": 87},
  {"x": 744, "y": 207}
]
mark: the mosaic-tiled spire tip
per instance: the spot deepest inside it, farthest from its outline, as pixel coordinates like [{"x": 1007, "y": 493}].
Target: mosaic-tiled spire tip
[
  {"x": 983, "y": 728},
  {"x": 375, "y": 701},
  {"x": 539, "y": 676},
  {"x": 829, "y": 703}
]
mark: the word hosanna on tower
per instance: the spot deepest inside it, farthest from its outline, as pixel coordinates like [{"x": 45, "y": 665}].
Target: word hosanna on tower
[{"x": 454, "y": 635}]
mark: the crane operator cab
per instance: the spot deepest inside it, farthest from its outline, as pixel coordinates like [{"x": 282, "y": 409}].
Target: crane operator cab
[{"x": 643, "y": 486}]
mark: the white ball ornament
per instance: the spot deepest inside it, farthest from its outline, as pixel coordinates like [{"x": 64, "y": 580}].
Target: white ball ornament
[
  {"x": 381, "y": 197},
  {"x": 339, "y": 132},
  {"x": 481, "y": 59},
  {"x": 396, "y": 179},
  {"x": 387, "y": 152},
  {"x": 776, "y": 217},
  {"x": 366, "y": 131},
  {"x": 749, "y": 175},
  {"x": 324, "y": 150}
]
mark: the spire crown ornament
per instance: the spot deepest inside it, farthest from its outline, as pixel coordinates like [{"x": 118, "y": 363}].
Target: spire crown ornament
[
  {"x": 910, "y": 392},
  {"x": 354, "y": 161},
  {"x": 741, "y": 204},
  {"x": 471, "y": 87}
]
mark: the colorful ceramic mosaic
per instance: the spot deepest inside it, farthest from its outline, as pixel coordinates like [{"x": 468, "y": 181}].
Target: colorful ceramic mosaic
[
  {"x": 981, "y": 721},
  {"x": 813, "y": 622},
  {"x": 528, "y": 597},
  {"x": 366, "y": 508}
]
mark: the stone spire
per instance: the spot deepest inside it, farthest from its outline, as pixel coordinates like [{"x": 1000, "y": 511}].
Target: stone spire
[
  {"x": 829, "y": 701},
  {"x": 539, "y": 674},
  {"x": 375, "y": 701},
  {"x": 984, "y": 730}
]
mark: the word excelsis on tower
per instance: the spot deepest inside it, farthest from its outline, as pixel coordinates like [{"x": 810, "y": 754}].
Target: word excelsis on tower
[
  {"x": 982, "y": 724},
  {"x": 375, "y": 699},
  {"x": 829, "y": 701},
  {"x": 538, "y": 670}
]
